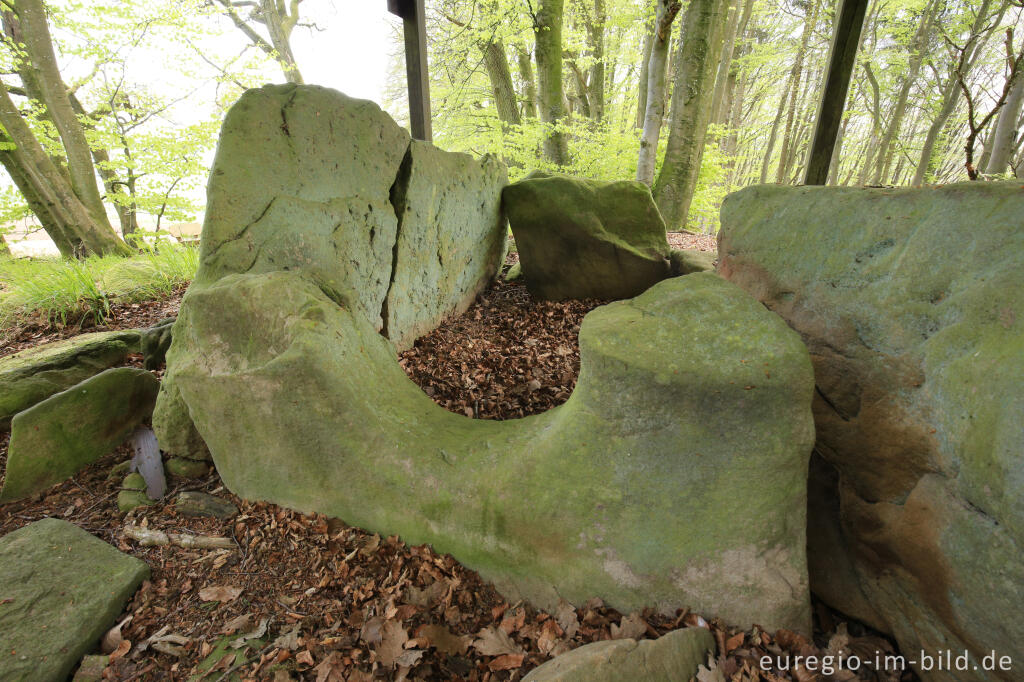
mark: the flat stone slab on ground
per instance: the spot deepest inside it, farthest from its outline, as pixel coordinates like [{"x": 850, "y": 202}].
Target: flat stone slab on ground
[
  {"x": 34, "y": 374},
  {"x": 60, "y": 590},
  {"x": 68, "y": 431},
  {"x": 672, "y": 657}
]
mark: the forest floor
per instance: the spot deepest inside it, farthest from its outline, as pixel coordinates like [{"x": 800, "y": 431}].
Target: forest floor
[{"x": 306, "y": 597}]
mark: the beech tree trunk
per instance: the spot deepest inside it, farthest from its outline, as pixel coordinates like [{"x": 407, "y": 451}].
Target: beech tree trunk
[
  {"x": 548, "y": 36},
  {"x": 1005, "y": 134},
  {"x": 645, "y": 66},
  {"x": 655, "y": 113},
  {"x": 703, "y": 31},
  {"x": 794, "y": 91},
  {"x": 498, "y": 72},
  {"x": 529, "y": 93}
]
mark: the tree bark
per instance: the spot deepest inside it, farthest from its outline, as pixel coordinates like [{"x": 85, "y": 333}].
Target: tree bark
[
  {"x": 595, "y": 35},
  {"x": 279, "y": 22},
  {"x": 703, "y": 29},
  {"x": 645, "y": 69},
  {"x": 496, "y": 64},
  {"x": 794, "y": 91},
  {"x": 62, "y": 213},
  {"x": 529, "y": 93},
  {"x": 548, "y": 37},
  {"x": 1005, "y": 135},
  {"x": 39, "y": 47},
  {"x": 655, "y": 113}
]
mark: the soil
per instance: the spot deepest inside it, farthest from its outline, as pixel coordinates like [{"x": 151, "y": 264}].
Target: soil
[{"x": 310, "y": 598}]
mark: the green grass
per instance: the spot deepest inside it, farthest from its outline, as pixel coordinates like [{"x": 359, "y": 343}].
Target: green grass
[{"x": 61, "y": 291}]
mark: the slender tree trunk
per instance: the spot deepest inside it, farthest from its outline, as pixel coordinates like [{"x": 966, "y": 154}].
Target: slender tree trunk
[
  {"x": 703, "y": 28},
  {"x": 725, "y": 60},
  {"x": 655, "y": 114},
  {"x": 496, "y": 64},
  {"x": 595, "y": 34},
  {"x": 883, "y": 157},
  {"x": 794, "y": 90},
  {"x": 529, "y": 93},
  {"x": 774, "y": 132},
  {"x": 279, "y": 27},
  {"x": 1005, "y": 135},
  {"x": 39, "y": 47},
  {"x": 548, "y": 36},
  {"x": 833, "y": 168},
  {"x": 645, "y": 70}
]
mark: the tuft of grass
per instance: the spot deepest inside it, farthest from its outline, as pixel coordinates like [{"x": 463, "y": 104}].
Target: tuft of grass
[{"x": 59, "y": 291}]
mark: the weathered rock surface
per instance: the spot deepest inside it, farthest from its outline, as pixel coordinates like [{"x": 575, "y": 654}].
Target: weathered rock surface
[
  {"x": 193, "y": 503},
  {"x": 174, "y": 429},
  {"x": 674, "y": 475},
  {"x": 309, "y": 180},
  {"x": 689, "y": 261},
  {"x": 154, "y": 343},
  {"x": 911, "y": 302},
  {"x": 61, "y": 590},
  {"x": 673, "y": 657},
  {"x": 584, "y": 238},
  {"x": 35, "y": 374},
  {"x": 451, "y": 238},
  {"x": 68, "y": 431}
]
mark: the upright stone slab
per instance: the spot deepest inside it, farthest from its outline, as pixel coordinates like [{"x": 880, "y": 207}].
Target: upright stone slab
[
  {"x": 60, "y": 590},
  {"x": 35, "y": 374},
  {"x": 911, "y": 302},
  {"x": 674, "y": 476},
  {"x": 451, "y": 238},
  {"x": 582, "y": 238},
  {"x": 68, "y": 431}
]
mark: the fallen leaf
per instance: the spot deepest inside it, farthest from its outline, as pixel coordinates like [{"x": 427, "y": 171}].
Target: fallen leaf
[
  {"x": 506, "y": 662},
  {"x": 121, "y": 650},
  {"x": 565, "y": 614},
  {"x": 331, "y": 669},
  {"x": 712, "y": 672},
  {"x": 371, "y": 630},
  {"x": 112, "y": 638},
  {"x": 392, "y": 644},
  {"x": 222, "y": 593},
  {"x": 236, "y": 624},
  {"x": 632, "y": 626},
  {"x": 736, "y": 641},
  {"x": 492, "y": 641},
  {"x": 289, "y": 639},
  {"x": 305, "y": 658},
  {"x": 442, "y": 639},
  {"x": 260, "y": 630}
]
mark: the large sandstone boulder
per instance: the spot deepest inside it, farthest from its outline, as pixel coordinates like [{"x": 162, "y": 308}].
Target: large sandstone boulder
[
  {"x": 308, "y": 180},
  {"x": 673, "y": 657},
  {"x": 674, "y": 475},
  {"x": 35, "y": 374},
  {"x": 60, "y": 590},
  {"x": 582, "y": 238},
  {"x": 68, "y": 431},
  {"x": 911, "y": 302}
]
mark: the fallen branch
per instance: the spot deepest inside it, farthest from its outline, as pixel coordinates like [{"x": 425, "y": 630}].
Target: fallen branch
[{"x": 147, "y": 537}]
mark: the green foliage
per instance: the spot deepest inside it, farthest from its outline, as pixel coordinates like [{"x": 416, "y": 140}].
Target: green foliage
[{"x": 60, "y": 291}]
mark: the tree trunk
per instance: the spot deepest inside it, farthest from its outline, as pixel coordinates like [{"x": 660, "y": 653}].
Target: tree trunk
[
  {"x": 595, "y": 34},
  {"x": 501, "y": 81},
  {"x": 773, "y": 135},
  {"x": 39, "y": 47},
  {"x": 529, "y": 94},
  {"x": 548, "y": 36},
  {"x": 1005, "y": 135},
  {"x": 62, "y": 213},
  {"x": 645, "y": 70},
  {"x": 883, "y": 158},
  {"x": 655, "y": 114},
  {"x": 794, "y": 91},
  {"x": 279, "y": 27},
  {"x": 703, "y": 29}
]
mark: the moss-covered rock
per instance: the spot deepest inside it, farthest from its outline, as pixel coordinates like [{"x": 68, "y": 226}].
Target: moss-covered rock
[
  {"x": 32, "y": 375},
  {"x": 68, "y": 431},
  {"x": 61, "y": 589},
  {"x": 674, "y": 475},
  {"x": 133, "y": 493},
  {"x": 689, "y": 261},
  {"x": 173, "y": 425},
  {"x": 183, "y": 467},
  {"x": 911, "y": 302},
  {"x": 673, "y": 657},
  {"x": 582, "y": 238},
  {"x": 451, "y": 238}
]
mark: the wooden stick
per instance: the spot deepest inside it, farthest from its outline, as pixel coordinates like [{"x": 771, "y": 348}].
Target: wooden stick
[{"x": 147, "y": 537}]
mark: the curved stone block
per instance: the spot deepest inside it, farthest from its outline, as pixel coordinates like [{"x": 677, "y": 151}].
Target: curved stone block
[{"x": 674, "y": 476}]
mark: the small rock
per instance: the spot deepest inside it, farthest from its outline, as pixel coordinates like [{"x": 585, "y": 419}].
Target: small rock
[
  {"x": 134, "y": 482},
  {"x": 133, "y": 493},
  {"x": 183, "y": 467},
  {"x": 91, "y": 669},
  {"x": 515, "y": 272},
  {"x": 687, "y": 261},
  {"x": 202, "y": 504}
]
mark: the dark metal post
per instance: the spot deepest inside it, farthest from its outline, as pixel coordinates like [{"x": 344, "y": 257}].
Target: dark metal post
[
  {"x": 841, "y": 59},
  {"x": 415, "y": 29}
]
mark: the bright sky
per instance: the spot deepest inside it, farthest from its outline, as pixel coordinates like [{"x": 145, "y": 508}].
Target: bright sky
[{"x": 351, "y": 52}]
